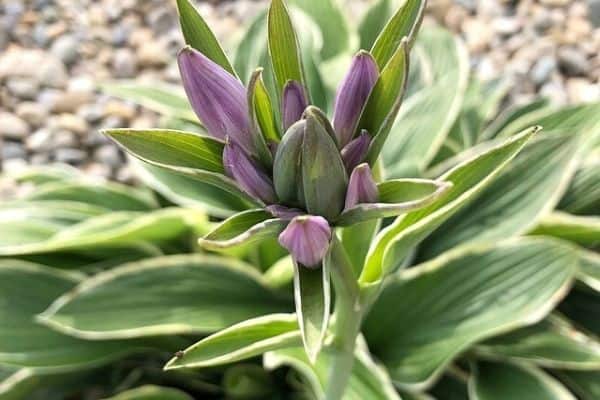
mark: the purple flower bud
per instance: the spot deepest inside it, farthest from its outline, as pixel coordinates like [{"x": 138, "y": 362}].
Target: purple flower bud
[
  {"x": 247, "y": 173},
  {"x": 355, "y": 151},
  {"x": 283, "y": 212},
  {"x": 307, "y": 239},
  {"x": 352, "y": 95},
  {"x": 217, "y": 97},
  {"x": 362, "y": 187},
  {"x": 294, "y": 102}
]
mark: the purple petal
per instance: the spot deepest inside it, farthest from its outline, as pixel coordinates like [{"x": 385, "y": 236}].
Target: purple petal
[
  {"x": 247, "y": 173},
  {"x": 217, "y": 97},
  {"x": 355, "y": 151},
  {"x": 283, "y": 212},
  {"x": 362, "y": 187},
  {"x": 307, "y": 239},
  {"x": 294, "y": 103},
  {"x": 352, "y": 95}
]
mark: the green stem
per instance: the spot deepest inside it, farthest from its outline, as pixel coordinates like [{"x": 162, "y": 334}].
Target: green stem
[{"x": 348, "y": 314}]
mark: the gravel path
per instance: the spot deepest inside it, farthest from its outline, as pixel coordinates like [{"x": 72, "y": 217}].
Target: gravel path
[{"x": 53, "y": 52}]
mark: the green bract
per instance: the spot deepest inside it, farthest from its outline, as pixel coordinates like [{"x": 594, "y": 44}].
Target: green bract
[{"x": 431, "y": 245}]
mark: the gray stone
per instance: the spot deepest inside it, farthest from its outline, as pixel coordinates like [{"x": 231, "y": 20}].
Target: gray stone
[
  {"x": 61, "y": 102},
  {"x": 40, "y": 141},
  {"x": 543, "y": 69},
  {"x": 161, "y": 20},
  {"x": 152, "y": 54},
  {"x": 64, "y": 138},
  {"x": 66, "y": 48},
  {"x": 124, "y": 63},
  {"x": 594, "y": 12},
  {"x": 108, "y": 154},
  {"x": 573, "y": 61},
  {"x": 12, "y": 150},
  {"x": 23, "y": 88},
  {"x": 70, "y": 156},
  {"x": 92, "y": 113},
  {"x": 12, "y": 127},
  {"x": 72, "y": 123}
]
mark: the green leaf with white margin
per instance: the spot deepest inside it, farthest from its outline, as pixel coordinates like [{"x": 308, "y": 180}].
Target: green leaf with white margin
[
  {"x": 151, "y": 392},
  {"x": 589, "y": 269},
  {"x": 510, "y": 114},
  {"x": 283, "y": 46},
  {"x": 396, "y": 197},
  {"x": 551, "y": 343},
  {"x": 428, "y": 115},
  {"x": 583, "y": 195},
  {"x": 168, "y": 100},
  {"x": 171, "y": 148},
  {"x": 262, "y": 120},
  {"x": 404, "y": 23},
  {"x": 117, "y": 229},
  {"x": 27, "y": 289},
  {"x": 582, "y": 306},
  {"x": 331, "y": 22},
  {"x": 312, "y": 295},
  {"x": 38, "y": 175},
  {"x": 382, "y": 106},
  {"x": 242, "y": 230},
  {"x": 150, "y": 155},
  {"x": 241, "y": 341},
  {"x": 495, "y": 381},
  {"x": 17, "y": 384},
  {"x": 527, "y": 189},
  {"x": 578, "y": 229},
  {"x": 583, "y": 383},
  {"x": 164, "y": 296},
  {"x": 468, "y": 178},
  {"x": 373, "y": 22},
  {"x": 451, "y": 386},
  {"x": 108, "y": 195},
  {"x": 367, "y": 381},
  {"x": 428, "y": 314},
  {"x": 189, "y": 192},
  {"x": 198, "y": 35},
  {"x": 281, "y": 273}
]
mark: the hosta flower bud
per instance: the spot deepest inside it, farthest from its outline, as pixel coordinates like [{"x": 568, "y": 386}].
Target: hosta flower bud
[
  {"x": 362, "y": 187},
  {"x": 247, "y": 173},
  {"x": 324, "y": 177},
  {"x": 355, "y": 151},
  {"x": 217, "y": 97},
  {"x": 287, "y": 174},
  {"x": 307, "y": 239},
  {"x": 294, "y": 102},
  {"x": 352, "y": 95}
]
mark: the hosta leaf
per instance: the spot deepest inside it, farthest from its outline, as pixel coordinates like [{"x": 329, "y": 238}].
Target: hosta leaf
[
  {"x": 252, "y": 50},
  {"x": 450, "y": 387},
  {"x": 331, "y": 22},
  {"x": 428, "y": 115},
  {"x": 261, "y": 108},
  {"x": 367, "y": 381},
  {"x": 582, "y": 306},
  {"x": 583, "y": 195},
  {"x": 493, "y": 381},
  {"x": 428, "y": 314},
  {"x": 248, "y": 381},
  {"x": 109, "y": 195},
  {"x": 589, "y": 269},
  {"x": 198, "y": 35},
  {"x": 356, "y": 240},
  {"x": 529, "y": 187},
  {"x": 27, "y": 289},
  {"x": 396, "y": 197},
  {"x": 312, "y": 294},
  {"x": 552, "y": 343},
  {"x": 117, "y": 229},
  {"x": 241, "y": 341},
  {"x": 170, "y": 147},
  {"x": 38, "y": 175},
  {"x": 583, "y": 383},
  {"x": 189, "y": 192},
  {"x": 242, "y": 230},
  {"x": 165, "y": 99},
  {"x": 16, "y": 384},
  {"x": 578, "y": 229},
  {"x": 281, "y": 273},
  {"x": 510, "y": 114},
  {"x": 283, "y": 46},
  {"x": 373, "y": 22},
  {"x": 393, "y": 243},
  {"x": 383, "y": 103},
  {"x": 404, "y": 23},
  {"x": 151, "y": 392},
  {"x": 164, "y": 296}
]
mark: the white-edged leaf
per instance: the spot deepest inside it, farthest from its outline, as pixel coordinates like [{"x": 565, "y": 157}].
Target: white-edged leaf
[{"x": 579, "y": 229}]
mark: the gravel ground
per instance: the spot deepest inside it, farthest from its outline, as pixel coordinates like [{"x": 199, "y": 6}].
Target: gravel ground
[{"x": 53, "y": 52}]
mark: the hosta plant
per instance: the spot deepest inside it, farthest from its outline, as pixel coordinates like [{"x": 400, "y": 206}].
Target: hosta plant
[{"x": 378, "y": 229}]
